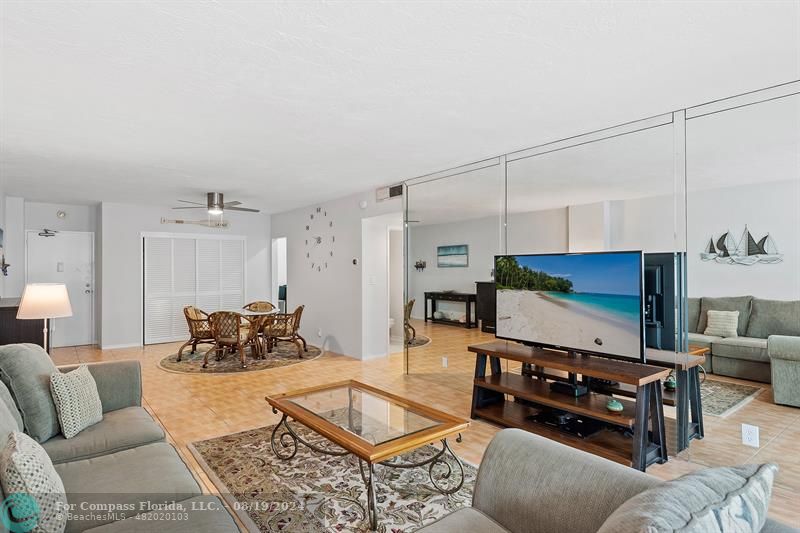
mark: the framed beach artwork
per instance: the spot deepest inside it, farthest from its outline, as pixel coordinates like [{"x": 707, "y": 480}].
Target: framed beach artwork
[{"x": 454, "y": 255}]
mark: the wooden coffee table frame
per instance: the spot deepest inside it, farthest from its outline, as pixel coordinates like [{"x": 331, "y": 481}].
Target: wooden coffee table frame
[{"x": 285, "y": 439}]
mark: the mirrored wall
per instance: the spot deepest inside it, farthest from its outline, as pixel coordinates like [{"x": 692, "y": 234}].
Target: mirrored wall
[{"x": 709, "y": 195}]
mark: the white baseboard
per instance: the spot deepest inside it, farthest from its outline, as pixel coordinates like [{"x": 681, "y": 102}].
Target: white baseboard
[{"x": 119, "y": 346}]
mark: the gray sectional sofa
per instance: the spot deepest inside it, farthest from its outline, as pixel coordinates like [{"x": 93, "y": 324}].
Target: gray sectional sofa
[
  {"x": 529, "y": 484},
  {"x": 748, "y": 355},
  {"x": 122, "y": 462}
]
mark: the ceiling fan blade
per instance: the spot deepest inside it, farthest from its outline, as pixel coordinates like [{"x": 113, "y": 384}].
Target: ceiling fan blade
[
  {"x": 191, "y": 207},
  {"x": 242, "y": 209},
  {"x": 188, "y": 202},
  {"x": 233, "y": 203}
]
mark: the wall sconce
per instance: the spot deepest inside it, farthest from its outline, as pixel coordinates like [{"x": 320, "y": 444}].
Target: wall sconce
[
  {"x": 4, "y": 266},
  {"x": 420, "y": 265}
]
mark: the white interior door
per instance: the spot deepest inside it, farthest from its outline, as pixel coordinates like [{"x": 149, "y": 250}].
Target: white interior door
[{"x": 68, "y": 258}]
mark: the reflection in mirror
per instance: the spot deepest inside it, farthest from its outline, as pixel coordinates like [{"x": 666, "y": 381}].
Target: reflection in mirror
[
  {"x": 743, "y": 188},
  {"x": 454, "y": 229}
]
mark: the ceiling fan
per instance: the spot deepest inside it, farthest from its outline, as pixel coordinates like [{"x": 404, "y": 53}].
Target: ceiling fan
[{"x": 216, "y": 205}]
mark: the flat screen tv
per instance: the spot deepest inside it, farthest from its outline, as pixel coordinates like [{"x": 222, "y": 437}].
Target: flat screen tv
[{"x": 587, "y": 303}]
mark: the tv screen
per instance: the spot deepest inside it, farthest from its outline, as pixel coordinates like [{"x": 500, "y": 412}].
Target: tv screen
[{"x": 588, "y": 303}]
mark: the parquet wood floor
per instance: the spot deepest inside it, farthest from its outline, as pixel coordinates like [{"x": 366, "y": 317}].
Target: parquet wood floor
[{"x": 197, "y": 407}]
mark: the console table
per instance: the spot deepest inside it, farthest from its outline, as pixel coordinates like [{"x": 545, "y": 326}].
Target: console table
[
  {"x": 644, "y": 417},
  {"x": 469, "y": 300}
]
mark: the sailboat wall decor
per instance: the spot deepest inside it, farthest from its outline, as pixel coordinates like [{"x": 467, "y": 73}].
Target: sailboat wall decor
[{"x": 747, "y": 251}]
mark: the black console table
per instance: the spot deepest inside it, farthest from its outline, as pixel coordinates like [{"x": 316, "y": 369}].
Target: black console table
[
  {"x": 13, "y": 330},
  {"x": 469, "y": 300}
]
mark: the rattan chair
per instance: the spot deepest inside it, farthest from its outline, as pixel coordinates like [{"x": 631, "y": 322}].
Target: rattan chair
[
  {"x": 199, "y": 329},
  {"x": 232, "y": 330},
  {"x": 407, "y": 327},
  {"x": 259, "y": 306},
  {"x": 284, "y": 327}
]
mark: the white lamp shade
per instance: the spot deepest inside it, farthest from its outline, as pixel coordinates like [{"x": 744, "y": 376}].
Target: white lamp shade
[{"x": 44, "y": 300}]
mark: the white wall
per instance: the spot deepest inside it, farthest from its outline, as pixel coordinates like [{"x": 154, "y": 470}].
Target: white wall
[
  {"x": 396, "y": 274},
  {"x": 332, "y": 298},
  {"x": 772, "y": 208},
  {"x": 588, "y": 227},
  {"x": 40, "y": 215},
  {"x": 122, "y": 225},
  {"x": 533, "y": 232},
  {"x": 375, "y": 283}
]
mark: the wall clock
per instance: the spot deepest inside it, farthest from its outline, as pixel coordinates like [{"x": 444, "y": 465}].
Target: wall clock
[{"x": 319, "y": 240}]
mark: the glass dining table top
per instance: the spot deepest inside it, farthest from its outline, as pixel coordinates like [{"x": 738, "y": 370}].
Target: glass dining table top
[{"x": 369, "y": 415}]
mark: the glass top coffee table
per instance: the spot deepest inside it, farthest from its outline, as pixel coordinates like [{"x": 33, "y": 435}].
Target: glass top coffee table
[{"x": 375, "y": 426}]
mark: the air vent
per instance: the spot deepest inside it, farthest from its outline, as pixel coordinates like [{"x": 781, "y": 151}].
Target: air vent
[{"x": 385, "y": 193}]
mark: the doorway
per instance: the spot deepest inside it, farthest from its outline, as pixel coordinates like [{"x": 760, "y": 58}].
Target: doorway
[
  {"x": 65, "y": 257},
  {"x": 279, "y": 272}
]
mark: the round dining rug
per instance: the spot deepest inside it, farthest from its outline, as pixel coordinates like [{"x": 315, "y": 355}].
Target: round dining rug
[
  {"x": 315, "y": 493},
  {"x": 418, "y": 341},
  {"x": 284, "y": 354}
]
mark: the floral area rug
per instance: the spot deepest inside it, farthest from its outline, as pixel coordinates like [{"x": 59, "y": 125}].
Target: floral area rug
[
  {"x": 721, "y": 398},
  {"x": 314, "y": 493},
  {"x": 284, "y": 354}
]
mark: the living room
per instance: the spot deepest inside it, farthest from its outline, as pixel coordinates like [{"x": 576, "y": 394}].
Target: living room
[{"x": 257, "y": 308}]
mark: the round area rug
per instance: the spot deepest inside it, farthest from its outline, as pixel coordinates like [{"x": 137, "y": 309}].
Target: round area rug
[
  {"x": 284, "y": 354},
  {"x": 420, "y": 340}
]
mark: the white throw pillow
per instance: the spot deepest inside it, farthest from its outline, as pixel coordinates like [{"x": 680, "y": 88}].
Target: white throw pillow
[
  {"x": 77, "y": 401},
  {"x": 36, "y": 498},
  {"x": 722, "y": 323}
]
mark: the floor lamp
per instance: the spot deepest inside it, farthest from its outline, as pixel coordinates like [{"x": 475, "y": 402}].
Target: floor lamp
[{"x": 44, "y": 301}]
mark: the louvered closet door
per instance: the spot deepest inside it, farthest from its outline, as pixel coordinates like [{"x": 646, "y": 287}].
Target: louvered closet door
[
  {"x": 158, "y": 290},
  {"x": 207, "y": 273}
]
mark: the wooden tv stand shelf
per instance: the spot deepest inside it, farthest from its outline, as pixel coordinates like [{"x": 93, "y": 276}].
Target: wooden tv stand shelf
[{"x": 643, "y": 417}]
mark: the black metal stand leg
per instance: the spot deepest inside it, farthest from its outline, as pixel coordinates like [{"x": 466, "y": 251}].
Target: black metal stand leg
[
  {"x": 682, "y": 408},
  {"x": 439, "y": 479},
  {"x": 659, "y": 433},
  {"x": 641, "y": 429},
  {"x": 695, "y": 403}
]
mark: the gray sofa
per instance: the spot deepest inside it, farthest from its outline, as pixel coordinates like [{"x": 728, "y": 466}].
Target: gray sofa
[
  {"x": 530, "y": 484},
  {"x": 748, "y": 355},
  {"x": 122, "y": 461}
]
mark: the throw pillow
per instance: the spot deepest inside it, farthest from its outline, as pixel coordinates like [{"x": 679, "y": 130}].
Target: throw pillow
[
  {"x": 715, "y": 500},
  {"x": 25, "y": 369},
  {"x": 35, "y": 490},
  {"x": 77, "y": 400},
  {"x": 722, "y": 323}
]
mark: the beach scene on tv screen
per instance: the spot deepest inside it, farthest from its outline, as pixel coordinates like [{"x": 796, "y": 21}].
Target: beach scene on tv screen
[{"x": 587, "y": 302}]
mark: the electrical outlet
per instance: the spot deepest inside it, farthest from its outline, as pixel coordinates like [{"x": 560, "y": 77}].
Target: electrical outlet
[
  {"x": 444, "y": 362},
  {"x": 750, "y": 435},
  {"x": 319, "y": 333}
]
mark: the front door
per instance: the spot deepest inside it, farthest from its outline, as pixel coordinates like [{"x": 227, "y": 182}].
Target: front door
[{"x": 66, "y": 257}]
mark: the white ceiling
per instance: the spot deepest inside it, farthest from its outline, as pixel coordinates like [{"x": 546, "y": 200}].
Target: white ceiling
[{"x": 286, "y": 104}]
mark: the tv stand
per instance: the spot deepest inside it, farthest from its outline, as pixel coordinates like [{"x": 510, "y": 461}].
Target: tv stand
[{"x": 532, "y": 396}]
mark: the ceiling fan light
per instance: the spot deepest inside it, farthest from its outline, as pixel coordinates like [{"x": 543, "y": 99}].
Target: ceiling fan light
[{"x": 214, "y": 211}]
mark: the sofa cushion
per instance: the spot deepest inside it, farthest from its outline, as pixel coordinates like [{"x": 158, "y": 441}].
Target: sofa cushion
[
  {"x": 722, "y": 323},
  {"x": 746, "y": 348},
  {"x": 702, "y": 341},
  {"x": 9, "y": 402},
  {"x": 151, "y": 475},
  {"x": 466, "y": 519},
  {"x": 35, "y": 490},
  {"x": 733, "y": 303},
  {"x": 774, "y": 317},
  {"x": 77, "y": 402},
  {"x": 201, "y": 514},
  {"x": 26, "y": 370},
  {"x": 692, "y": 314},
  {"x": 119, "y": 430},
  {"x": 715, "y": 500}
]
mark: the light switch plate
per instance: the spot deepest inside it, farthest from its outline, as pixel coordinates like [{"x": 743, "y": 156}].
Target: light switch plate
[{"x": 750, "y": 435}]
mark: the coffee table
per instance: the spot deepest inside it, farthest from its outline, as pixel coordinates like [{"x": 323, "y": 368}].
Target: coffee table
[{"x": 375, "y": 426}]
